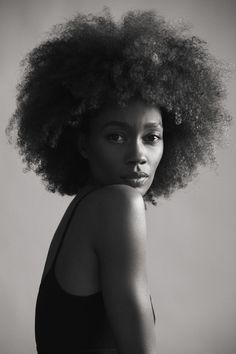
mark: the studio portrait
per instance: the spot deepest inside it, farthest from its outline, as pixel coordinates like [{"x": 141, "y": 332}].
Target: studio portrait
[{"x": 118, "y": 177}]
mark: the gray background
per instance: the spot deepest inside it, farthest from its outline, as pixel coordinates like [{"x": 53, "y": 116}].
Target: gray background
[{"x": 192, "y": 241}]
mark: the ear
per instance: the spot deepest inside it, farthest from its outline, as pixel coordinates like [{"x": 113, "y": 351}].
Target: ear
[{"x": 82, "y": 145}]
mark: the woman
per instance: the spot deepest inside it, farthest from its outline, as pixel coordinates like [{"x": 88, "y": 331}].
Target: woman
[{"x": 117, "y": 114}]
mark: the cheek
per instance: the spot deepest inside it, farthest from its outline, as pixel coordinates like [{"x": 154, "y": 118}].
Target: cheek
[
  {"x": 156, "y": 158},
  {"x": 101, "y": 156}
]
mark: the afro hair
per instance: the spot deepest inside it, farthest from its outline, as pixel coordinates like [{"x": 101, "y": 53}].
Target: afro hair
[{"x": 91, "y": 62}]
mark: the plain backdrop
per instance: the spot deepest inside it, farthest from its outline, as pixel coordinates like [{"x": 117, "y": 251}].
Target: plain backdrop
[{"x": 191, "y": 240}]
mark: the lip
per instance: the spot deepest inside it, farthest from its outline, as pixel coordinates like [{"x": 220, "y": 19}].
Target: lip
[
  {"x": 135, "y": 181},
  {"x": 135, "y": 175}
]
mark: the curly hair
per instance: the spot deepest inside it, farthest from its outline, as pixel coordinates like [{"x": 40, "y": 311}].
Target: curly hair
[{"x": 91, "y": 62}]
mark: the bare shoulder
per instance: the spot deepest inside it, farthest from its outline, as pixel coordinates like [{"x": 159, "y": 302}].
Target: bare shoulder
[
  {"x": 109, "y": 205},
  {"x": 115, "y": 196},
  {"x": 116, "y": 205},
  {"x": 117, "y": 217}
]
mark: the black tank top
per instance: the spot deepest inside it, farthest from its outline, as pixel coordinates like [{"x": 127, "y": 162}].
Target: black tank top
[{"x": 67, "y": 323}]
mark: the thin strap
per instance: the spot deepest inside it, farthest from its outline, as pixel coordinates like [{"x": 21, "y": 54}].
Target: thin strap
[
  {"x": 153, "y": 312},
  {"x": 68, "y": 222}
]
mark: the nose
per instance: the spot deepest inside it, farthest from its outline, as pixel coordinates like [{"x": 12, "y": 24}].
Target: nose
[{"x": 136, "y": 153}]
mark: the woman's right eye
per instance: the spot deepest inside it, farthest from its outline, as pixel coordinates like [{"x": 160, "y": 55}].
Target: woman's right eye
[{"x": 116, "y": 138}]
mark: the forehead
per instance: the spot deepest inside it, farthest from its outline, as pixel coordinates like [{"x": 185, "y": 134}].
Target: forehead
[{"x": 136, "y": 114}]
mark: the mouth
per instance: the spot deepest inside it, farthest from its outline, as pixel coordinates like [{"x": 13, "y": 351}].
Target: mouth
[{"x": 136, "y": 179}]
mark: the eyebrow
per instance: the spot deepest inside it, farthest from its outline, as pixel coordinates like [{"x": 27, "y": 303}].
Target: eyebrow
[{"x": 153, "y": 125}]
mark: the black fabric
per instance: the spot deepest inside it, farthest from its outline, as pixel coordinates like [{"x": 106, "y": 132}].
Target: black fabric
[{"x": 68, "y": 324}]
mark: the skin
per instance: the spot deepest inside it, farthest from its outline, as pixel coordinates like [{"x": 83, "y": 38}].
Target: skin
[
  {"x": 109, "y": 253},
  {"x": 120, "y": 142},
  {"x": 123, "y": 141}
]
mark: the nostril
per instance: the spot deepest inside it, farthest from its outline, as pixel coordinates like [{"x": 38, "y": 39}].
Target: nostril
[{"x": 137, "y": 161}]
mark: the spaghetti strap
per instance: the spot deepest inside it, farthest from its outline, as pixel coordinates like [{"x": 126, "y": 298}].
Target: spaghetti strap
[
  {"x": 68, "y": 222},
  {"x": 64, "y": 322}
]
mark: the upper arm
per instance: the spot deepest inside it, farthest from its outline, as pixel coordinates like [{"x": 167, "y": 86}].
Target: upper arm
[
  {"x": 121, "y": 251},
  {"x": 121, "y": 245}
]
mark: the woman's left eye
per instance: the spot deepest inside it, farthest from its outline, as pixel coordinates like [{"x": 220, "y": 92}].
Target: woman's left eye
[{"x": 152, "y": 138}]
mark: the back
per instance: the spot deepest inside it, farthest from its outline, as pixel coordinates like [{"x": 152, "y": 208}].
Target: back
[{"x": 66, "y": 323}]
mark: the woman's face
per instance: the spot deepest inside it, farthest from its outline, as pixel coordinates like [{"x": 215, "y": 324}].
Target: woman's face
[{"x": 125, "y": 146}]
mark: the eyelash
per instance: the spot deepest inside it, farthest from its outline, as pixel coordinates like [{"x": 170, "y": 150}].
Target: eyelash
[
  {"x": 109, "y": 137},
  {"x": 156, "y": 136}
]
